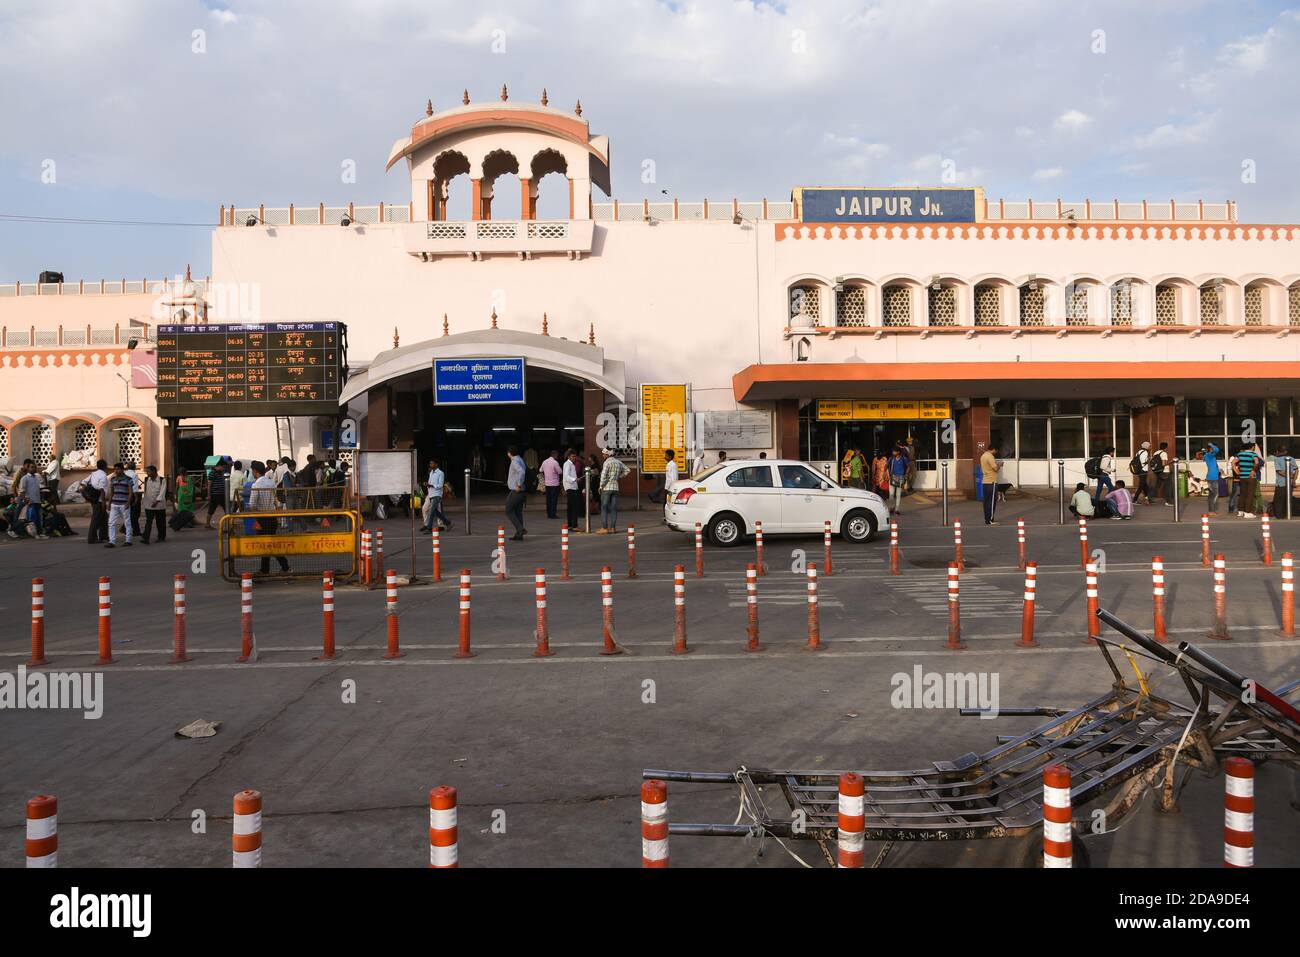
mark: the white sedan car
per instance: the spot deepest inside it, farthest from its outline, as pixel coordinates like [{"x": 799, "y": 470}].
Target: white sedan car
[{"x": 787, "y": 496}]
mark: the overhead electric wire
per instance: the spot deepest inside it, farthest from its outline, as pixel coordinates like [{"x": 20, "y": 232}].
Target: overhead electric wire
[{"x": 78, "y": 221}]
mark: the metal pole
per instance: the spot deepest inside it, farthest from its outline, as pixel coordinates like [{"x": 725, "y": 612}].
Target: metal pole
[
  {"x": 944, "y": 467},
  {"x": 586, "y": 499},
  {"x": 467, "y": 501},
  {"x": 1178, "y": 517},
  {"x": 638, "y": 488},
  {"x": 1290, "y": 468},
  {"x": 1060, "y": 490}
]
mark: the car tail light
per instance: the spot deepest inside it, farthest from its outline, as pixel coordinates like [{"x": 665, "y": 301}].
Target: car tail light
[{"x": 684, "y": 496}]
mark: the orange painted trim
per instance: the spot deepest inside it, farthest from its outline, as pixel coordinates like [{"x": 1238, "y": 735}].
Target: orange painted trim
[
  {"x": 799, "y": 374},
  {"x": 995, "y": 230},
  {"x": 13, "y": 358},
  {"x": 496, "y": 116}
]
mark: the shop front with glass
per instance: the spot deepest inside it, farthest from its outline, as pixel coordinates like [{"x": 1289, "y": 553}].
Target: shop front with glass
[
  {"x": 830, "y": 428},
  {"x": 1033, "y": 435}
]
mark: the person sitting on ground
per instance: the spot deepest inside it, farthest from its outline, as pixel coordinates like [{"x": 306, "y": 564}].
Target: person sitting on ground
[
  {"x": 1120, "y": 500},
  {"x": 1081, "y": 502}
]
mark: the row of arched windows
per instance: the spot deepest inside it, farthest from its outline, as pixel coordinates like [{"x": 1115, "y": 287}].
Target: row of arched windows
[
  {"x": 501, "y": 194},
  {"x": 1039, "y": 302}
]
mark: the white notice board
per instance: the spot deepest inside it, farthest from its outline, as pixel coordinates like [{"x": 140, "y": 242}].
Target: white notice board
[
  {"x": 383, "y": 472},
  {"x": 739, "y": 429}
]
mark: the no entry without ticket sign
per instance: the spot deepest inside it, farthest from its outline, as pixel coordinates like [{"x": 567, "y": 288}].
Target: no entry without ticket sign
[{"x": 483, "y": 381}]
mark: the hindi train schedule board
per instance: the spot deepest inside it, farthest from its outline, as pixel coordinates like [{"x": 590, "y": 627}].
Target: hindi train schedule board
[{"x": 272, "y": 368}]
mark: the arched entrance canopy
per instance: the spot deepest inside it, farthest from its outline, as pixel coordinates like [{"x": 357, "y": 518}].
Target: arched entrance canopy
[{"x": 583, "y": 362}]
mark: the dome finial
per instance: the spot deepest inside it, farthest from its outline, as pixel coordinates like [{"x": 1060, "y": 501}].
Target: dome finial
[
  {"x": 446, "y": 330},
  {"x": 544, "y": 99},
  {"x": 428, "y": 108},
  {"x": 591, "y": 336},
  {"x": 505, "y": 94},
  {"x": 396, "y": 339},
  {"x": 544, "y": 329},
  {"x": 578, "y": 109},
  {"x": 465, "y": 98},
  {"x": 494, "y": 317}
]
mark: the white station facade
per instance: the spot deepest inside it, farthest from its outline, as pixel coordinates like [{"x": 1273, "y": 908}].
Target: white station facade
[{"x": 826, "y": 319}]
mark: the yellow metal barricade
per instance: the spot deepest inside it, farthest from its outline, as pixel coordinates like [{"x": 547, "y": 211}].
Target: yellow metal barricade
[{"x": 300, "y": 544}]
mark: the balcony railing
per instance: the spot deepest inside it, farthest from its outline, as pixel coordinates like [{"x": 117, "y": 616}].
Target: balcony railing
[
  {"x": 96, "y": 287},
  {"x": 30, "y": 337}
]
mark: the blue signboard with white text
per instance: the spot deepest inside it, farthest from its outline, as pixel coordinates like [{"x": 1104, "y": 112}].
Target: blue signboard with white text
[
  {"x": 933, "y": 205},
  {"x": 485, "y": 381}
]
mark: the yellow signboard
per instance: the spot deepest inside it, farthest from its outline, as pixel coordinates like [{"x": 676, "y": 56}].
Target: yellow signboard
[
  {"x": 313, "y": 543},
  {"x": 663, "y": 425},
  {"x": 862, "y": 410}
]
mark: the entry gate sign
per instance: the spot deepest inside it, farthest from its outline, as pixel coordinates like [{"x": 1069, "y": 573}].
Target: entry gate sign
[
  {"x": 486, "y": 381},
  {"x": 934, "y": 205}
]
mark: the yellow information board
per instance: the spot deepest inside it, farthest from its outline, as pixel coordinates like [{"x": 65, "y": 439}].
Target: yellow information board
[
  {"x": 861, "y": 410},
  {"x": 663, "y": 425}
]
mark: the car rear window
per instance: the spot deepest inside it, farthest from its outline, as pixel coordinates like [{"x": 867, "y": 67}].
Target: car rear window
[{"x": 751, "y": 476}]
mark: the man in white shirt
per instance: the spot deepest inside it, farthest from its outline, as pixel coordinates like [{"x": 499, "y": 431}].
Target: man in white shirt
[
  {"x": 1081, "y": 502},
  {"x": 666, "y": 480},
  {"x": 97, "y": 534},
  {"x": 262, "y": 499},
  {"x": 434, "y": 490},
  {"x": 153, "y": 500},
  {"x": 572, "y": 496}
]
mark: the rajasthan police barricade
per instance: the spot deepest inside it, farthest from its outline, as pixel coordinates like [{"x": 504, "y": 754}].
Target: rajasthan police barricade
[{"x": 298, "y": 544}]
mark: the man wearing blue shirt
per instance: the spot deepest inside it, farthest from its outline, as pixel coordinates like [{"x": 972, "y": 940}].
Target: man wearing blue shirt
[{"x": 1212, "y": 475}]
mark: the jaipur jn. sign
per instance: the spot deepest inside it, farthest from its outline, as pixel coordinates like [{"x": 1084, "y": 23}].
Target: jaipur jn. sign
[{"x": 890, "y": 205}]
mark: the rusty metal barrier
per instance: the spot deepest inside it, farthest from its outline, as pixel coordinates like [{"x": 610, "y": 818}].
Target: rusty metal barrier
[{"x": 290, "y": 545}]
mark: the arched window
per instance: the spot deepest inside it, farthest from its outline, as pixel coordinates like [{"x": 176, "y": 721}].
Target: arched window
[
  {"x": 1293, "y": 305},
  {"x": 988, "y": 305},
  {"x": 1121, "y": 303},
  {"x": 450, "y": 195},
  {"x": 805, "y": 304},
  {"x": 43, "y": 444},
  {"x": 549, "y": 187},
  {"x": 1166, "y": 305},
  {"x": 942, "y": 302},
  {"x": 896, "y": 305},
  {"x": 1211, "y": 299},
  {"x": 1033, "y": 304},
  {"x": 1255, "y": 305},
  {"x": 1077, "y": 304},
  {"x": 851, "y": 305},
  {"x": 499, "y": 192}
]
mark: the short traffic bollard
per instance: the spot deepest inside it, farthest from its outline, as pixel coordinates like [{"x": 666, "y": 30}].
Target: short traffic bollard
[
  {"x": 814, "y": 620},
  {"x": 956, "y": 545},
  {"x": 1083, "y": 543},
  {"x": 564, "y": 553},
  {"x": 1205, "y": 541},
  {"x": 43, "y": 831},
  {"x": 247, "y": 643},
  {"x": 38, "y": 624},
  {"x": 501, "y": 553},
  {"x": 1160, "y": 632},
  {"x": 893, "y": 546},
  {"x": 178, "y": 624},
  {"x": 1094, "y": 602},
  {"x": 1220, "y": 630},
  {"x": 699, "y": 551},
  {"x": 1057, "y": 823},
  {"x": 954, "y": 608},
  {"x": 105, "y": 622},
  {"x": 435, "y": 538},
  {"x": 542, "y": 634},
  {"x": 1288, "y": 596},
  {"x": 826, "y": 549},
  {"x": 608, "y": 635},
  {"x": 654, "y": 824},
  {"x": 379, "y": 554},
  {"x": 444, "y": 832},
  {"x": 365, "y": 556},
  {"x": 463, "y": 650},
  {"x": 751, "y": 603},
  {"x": 758, "y": 548},
  {"x": 679, "y": 611},
  {"x": 1020, "y": 541},
  {"x": 1238, "y": 812},
  {"x": 851, "y": 846},
  {"x": 327, "y": 615},
  {"x": 246, "y": 832},
  {"x": 1027, "y": 614},
  {"x": 1266, "y": 550},
  {"x": 631, "y": 551},
  {"x": 390, "y": 611}
]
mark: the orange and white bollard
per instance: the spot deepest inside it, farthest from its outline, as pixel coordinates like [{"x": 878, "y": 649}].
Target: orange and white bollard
[
  {"x": 390, "y": 612},
  {"x": 38, "y": 624},
  {"x": 435, "y": 537},
  {"x": 699, "y": 550},
  {"x": 1220, "y": 629},
  {"x": 631, "y": 551},
  {"x": 1238, "y": 813},
  {"x": 851, "y": 850},
  {"x": 178, "y": 615},
  {"x": 1288, "y": 596},
  {"x": 246, "y": 836},
  {"x": 758, "y": 548},
  {"x": 379, "y": 554},
  {"x": 365, "y": 556},
  {"x": 956, "y": 545},
  {"x": 1027, "y": 615},
  {"x": 751, "y": 603},
  {"x": 1057, "y": 822},
  {"x": 654, "y": 824},
  {"x": 893, "y": 546},
  {"x": 1020, "y": 541},
  {"x": 247, "y": 643},
  {"x": 463, "y": 651},
  {"x": 1266, "y": 552},
  {"x": 542, "y": 633},
  {"x": 43, "y": 831},
  {"x": 826, "y": 542},
  {"x": 1160, "y": 632},
  {"x": 444, "y": 830},
  {"x": 1083, "y": 542},
  {"x": 501, "y": 553},
  {"x": 608, "y": 635},
  {"x": 327, "y": 615},
  {"x": 954, "y": 608},
  {"x": 1205, "y": 541},
  {"x": 564, "y": 553},
  {"x": 814, "y": 619},
  {"x": 679, "y": 611},
  {"x": 1094, "y": 602},
  {"x": 105, "y": 622}
]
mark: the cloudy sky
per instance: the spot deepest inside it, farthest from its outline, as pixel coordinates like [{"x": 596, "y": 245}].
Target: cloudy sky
[{"x": 135, "y": 116}]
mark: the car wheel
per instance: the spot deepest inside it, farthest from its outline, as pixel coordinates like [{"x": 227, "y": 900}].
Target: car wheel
[
  {"x": 858, "y": 526},
  {"x": 726, "y": 530}
]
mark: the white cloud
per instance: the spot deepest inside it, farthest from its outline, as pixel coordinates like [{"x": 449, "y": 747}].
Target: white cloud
[
  {"x": 224, "y": 17},
  {"x": 1046, "y": 175},
  {"x": 1072, "y": 120}
]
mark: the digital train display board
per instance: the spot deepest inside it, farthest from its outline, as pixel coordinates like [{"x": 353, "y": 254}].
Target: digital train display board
[{"x": 272, "y": 368}]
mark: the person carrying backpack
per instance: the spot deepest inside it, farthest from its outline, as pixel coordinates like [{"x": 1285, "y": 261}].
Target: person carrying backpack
[
  {"x": 1161, "y": 479},
  {"x": 1140, "y": 466}
]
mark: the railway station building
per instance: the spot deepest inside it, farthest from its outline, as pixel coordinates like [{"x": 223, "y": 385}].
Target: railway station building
[{"x": 824, "y": 319}]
